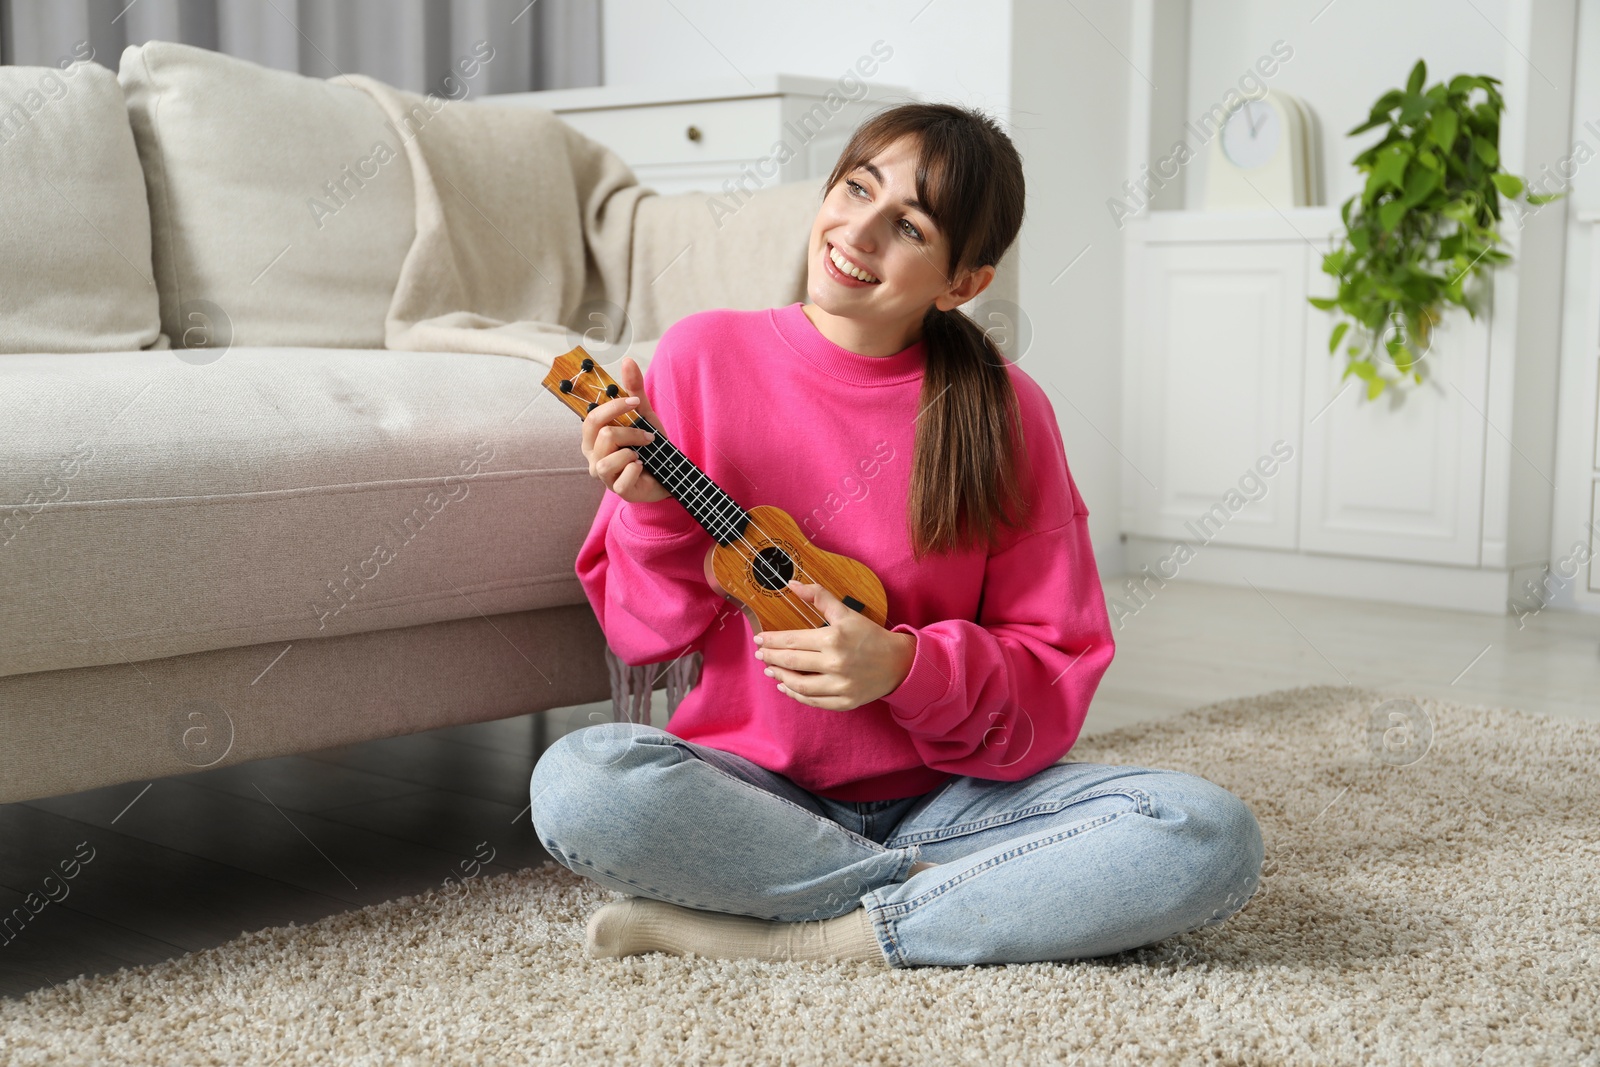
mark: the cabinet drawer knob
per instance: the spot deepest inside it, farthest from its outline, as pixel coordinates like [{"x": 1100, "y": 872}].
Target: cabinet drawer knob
[{"x": 693, "y": 133}]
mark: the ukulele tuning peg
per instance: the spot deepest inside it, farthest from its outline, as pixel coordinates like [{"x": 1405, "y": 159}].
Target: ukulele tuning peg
[
  {"x": 612, "y": 389},
  {"x": 566, "y": 385},
  {"x": 592, "y": 405},
  {"x": 588, "y": 364}
]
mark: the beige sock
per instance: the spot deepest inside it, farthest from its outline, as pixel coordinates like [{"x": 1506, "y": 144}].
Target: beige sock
[{"x": 638, "y": 924}]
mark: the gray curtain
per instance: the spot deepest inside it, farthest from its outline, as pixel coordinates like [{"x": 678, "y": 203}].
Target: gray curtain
[{"x": 421, "y": 45}]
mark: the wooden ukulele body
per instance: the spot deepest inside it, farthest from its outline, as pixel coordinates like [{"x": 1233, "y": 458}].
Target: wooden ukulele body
[{"x": 752, "y": 573}]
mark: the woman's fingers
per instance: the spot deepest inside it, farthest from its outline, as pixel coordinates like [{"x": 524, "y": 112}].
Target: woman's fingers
[
  {"x": 614, "y": 467},
  {"x": 633, "y": 384},
  {"x": 604, "y": 416},
  {"x": 632, "y": 473}
]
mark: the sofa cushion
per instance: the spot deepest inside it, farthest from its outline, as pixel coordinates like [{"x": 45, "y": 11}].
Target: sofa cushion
[
  {"x": 280, "y": 205},
  {"x": 75, "y": 272},
  {"x": 154, "y": 507}
]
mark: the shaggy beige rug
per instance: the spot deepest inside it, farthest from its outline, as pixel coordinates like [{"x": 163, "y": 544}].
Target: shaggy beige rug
[{"x": 1429, "y": 897}]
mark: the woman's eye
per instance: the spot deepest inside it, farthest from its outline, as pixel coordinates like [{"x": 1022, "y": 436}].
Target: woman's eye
[{"x": 907, "y": 227}]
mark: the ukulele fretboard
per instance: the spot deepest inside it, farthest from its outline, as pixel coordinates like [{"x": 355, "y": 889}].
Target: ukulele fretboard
[{"x": 703, "y": 498}]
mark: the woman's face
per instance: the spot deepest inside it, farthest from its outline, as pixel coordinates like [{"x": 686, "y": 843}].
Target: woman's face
[{"x": 871, "y": 218}]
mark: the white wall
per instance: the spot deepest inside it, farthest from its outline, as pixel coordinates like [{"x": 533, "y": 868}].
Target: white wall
[
  {"x": 1352, "y": 53},
  {"x": 955, "y": 50},
  {"x": 1069, "y": 92}
]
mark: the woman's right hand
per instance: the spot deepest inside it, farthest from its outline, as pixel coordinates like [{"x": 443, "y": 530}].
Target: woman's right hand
[{"x": 604, "y": 444}]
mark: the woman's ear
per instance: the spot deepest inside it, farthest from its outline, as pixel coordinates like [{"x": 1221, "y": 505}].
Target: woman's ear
[{"x": 969, "y": 285}]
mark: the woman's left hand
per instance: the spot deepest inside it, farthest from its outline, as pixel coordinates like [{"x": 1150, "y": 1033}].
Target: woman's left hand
[{"x": 850, "y": 662}]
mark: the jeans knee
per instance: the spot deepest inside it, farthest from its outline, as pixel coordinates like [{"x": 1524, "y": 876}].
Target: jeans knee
[
  {"x": 1217, "y": 828},
  {"x": 1215, "y": 815},
  {"x": 580, "y": 782},
  {"x": 1230, "y": 868}
]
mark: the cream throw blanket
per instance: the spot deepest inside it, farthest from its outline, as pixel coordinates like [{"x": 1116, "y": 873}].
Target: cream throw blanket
[{"x": 522, "y": 222}]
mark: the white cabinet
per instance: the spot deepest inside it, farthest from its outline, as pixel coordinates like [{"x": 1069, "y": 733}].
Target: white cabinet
[
  {"x": 1216, "y": 383},
  {"x": 718, "y": 136},
  {"x": 1395, "y": 481},
  {"x": 1226, "y": 358}
]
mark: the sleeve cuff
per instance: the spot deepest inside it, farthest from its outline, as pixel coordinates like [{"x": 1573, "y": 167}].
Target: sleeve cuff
[
  {"x": 659, "y": 520},
  {"x": 926, "y": 686}
]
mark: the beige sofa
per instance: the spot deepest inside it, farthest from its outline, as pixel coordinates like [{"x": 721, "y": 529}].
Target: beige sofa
[{"x": 232, "y": 524}]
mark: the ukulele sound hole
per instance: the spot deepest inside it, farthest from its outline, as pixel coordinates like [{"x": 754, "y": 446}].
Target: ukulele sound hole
[{"x": 772, "y": 568}]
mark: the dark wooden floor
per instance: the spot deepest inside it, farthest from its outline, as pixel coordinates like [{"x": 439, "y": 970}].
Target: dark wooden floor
[{"x": 190, "y": 862}]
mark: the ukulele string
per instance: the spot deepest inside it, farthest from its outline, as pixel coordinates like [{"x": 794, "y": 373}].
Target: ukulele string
[{"x": 801, "y": 606}]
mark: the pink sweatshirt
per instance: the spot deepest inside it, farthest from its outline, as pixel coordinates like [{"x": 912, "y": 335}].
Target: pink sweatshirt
[{"x": 1011, "y": 644}]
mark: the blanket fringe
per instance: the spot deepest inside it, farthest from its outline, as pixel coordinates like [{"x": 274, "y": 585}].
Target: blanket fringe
[{"x": 632, "y": 687}]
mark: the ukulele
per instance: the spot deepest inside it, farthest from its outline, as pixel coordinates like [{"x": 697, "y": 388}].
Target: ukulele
[{"x": 756, "y": 552}]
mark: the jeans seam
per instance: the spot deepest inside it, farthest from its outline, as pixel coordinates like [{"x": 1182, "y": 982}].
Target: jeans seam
[
  {"x": 944, "y": 833},
  {"x": 882, "y": 927},
  {"x": 785, "y": 800},
  {"x": 905, "y": 906}
]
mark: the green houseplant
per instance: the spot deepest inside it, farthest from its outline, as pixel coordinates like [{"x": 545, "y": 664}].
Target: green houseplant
[{"x": 1424, "y": 228}]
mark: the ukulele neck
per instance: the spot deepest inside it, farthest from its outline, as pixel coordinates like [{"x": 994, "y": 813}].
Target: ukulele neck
[{"x": 704, "y": 499}]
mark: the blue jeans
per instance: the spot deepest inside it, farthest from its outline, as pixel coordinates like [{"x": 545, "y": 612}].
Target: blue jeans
[{"x": 1079, "y": 860}]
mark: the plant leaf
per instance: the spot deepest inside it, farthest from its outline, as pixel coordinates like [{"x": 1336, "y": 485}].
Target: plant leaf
[
  {"x": 1391, "y": 167},
  {"x": 1485, "y": 151},
  {"x": 1419, "y": 183},
  {"x": 1338, "y": 335},
  {"x": 1323, "y": 302},
  {"x": 1390, "y": 213},
  {"x": 1419, "y": 74},
  {"x": 1442, "y": 131},
  {"x": 1509, "y": 184}
]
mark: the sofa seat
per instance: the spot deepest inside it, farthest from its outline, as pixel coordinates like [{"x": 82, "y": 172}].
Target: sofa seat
[{"x": 156, "y": 507}]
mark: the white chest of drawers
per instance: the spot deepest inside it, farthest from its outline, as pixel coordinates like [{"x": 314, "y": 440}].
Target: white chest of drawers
[{"x": 722, "y": 135}]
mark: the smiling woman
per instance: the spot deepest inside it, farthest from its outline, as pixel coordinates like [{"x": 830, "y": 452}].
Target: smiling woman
[{"x": 897, "y": 786}]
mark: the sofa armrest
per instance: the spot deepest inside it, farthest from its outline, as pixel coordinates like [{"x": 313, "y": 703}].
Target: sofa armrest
[{"x": 695, "y": 251}]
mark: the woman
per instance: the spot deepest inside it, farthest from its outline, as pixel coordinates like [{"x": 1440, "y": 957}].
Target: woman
[{"x": 899, "y": 786}]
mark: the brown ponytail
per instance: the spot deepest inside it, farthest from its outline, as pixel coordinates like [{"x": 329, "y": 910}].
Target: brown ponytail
[{"x": 966, "y": 476}]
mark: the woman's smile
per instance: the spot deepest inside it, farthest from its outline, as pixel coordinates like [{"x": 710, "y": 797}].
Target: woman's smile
[{"x": 847, "y": 270}]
